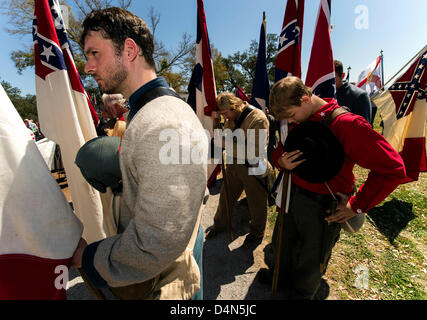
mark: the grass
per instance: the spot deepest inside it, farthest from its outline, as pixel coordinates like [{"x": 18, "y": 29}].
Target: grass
[{"x": 387, "y": 258}]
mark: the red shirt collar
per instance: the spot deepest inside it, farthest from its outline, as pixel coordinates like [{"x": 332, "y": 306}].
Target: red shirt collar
[{"x": 330, "y": 106}]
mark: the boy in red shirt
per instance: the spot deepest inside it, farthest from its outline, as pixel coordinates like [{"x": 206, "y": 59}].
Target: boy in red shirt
[{"x": 307, "y": 220}]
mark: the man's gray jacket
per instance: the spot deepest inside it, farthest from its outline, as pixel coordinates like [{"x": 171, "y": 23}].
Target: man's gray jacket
[{"x": 163, "y": 163}]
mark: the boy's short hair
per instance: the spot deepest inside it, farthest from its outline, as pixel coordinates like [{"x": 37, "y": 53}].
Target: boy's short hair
[
  {"x": 118, "y": 24},
  {"x": 339, "y": 69},
  {"x": 228, "y": 101},
  {"x": 285, "y": 93}
]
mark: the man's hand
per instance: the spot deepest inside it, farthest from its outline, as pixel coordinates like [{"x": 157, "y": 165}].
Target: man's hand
[
  {"x": 287, "y": 160},
  {"x": 343, "y": 210},
  {"x": 76, "y": 260}
]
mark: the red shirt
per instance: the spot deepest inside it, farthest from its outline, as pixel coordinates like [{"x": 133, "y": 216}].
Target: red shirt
[{"x": 362, "y": 146}]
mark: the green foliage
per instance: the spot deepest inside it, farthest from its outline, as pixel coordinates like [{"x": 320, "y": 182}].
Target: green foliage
[
  {"x": 22, "y": 59},
  {"x": 241, "y": 65}
]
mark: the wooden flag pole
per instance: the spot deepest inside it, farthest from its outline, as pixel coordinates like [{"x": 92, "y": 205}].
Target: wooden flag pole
[
  {"x": 278, "y": 250},
  {"x": 96, "y": 293},
  {"x": 227, "y": 203},
  {"x": 382, "y": 67}
]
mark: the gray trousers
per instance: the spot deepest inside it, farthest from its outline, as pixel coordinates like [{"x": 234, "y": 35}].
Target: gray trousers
[{"x": 307, "y": 243}]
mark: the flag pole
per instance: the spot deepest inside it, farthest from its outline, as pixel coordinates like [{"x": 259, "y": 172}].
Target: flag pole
[
  {"x": 382, "y": 66},
  {"x": 348, "y": 74},
  {"x": 281, "y": 217},
  {"x": 228, "y": 207},
  {"x": 97, "y": 294}
]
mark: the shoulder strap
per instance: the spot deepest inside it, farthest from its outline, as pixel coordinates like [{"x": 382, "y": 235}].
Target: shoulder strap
[
  {"x": 243, "y": 115},
  {"x": 149, "y": 96},
  {"x": 331, "y": 116}
]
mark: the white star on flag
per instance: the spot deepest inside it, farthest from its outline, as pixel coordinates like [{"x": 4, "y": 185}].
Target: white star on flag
[
  {"x": 58, "y": 23},
  {"x": 47, "y": 52},
  {"x": 283, "y": 39}
]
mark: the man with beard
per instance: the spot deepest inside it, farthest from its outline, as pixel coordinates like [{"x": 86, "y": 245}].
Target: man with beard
[{"x": 151, "y": 257}]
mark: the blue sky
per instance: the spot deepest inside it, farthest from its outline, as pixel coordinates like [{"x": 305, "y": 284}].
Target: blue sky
[{"x": 397, "y": 27}]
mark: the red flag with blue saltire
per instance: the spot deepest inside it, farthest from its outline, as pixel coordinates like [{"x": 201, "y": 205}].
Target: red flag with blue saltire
[
  {"x": 288, "y": 63},
  {"x": 202, "y": 89},
  {"x": 321, "y": 71},
  {"x": 261, "y": 84},
  {"x": 65, "y": 113},
  {"x": 288, "y": 60}
]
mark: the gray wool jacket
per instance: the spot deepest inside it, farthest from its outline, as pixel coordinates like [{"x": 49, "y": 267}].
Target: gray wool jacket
[{"x": 163, "y": 163}]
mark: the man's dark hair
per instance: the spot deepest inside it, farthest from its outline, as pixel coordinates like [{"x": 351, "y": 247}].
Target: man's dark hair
[
  {"x": 338, "y": 67},
  {"x": 118, "y": 24}
]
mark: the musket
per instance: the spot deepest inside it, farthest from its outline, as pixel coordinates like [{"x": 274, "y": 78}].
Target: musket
[{"x": 282, "y": 212}]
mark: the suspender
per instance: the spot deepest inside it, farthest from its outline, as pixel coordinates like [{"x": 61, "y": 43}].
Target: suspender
[
  {"x": 243, "y": 115},
  {"x": 332, "y": 115},
  {"x": 149, "y": 96}
]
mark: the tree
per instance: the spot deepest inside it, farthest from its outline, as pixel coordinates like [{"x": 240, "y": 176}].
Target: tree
[
  {"x": 20, "y": 13},
  {"x": 241, "y": 65},
  {"x": 220, "y": 69}
]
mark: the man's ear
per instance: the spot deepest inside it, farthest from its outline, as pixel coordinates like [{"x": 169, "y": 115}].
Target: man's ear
[{"x": 130, "y": 49}]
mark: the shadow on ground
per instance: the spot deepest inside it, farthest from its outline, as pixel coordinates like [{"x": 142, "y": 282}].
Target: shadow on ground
[
  {"x": 232, "y": 266},
  {"x": 392, "y": 217}
]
